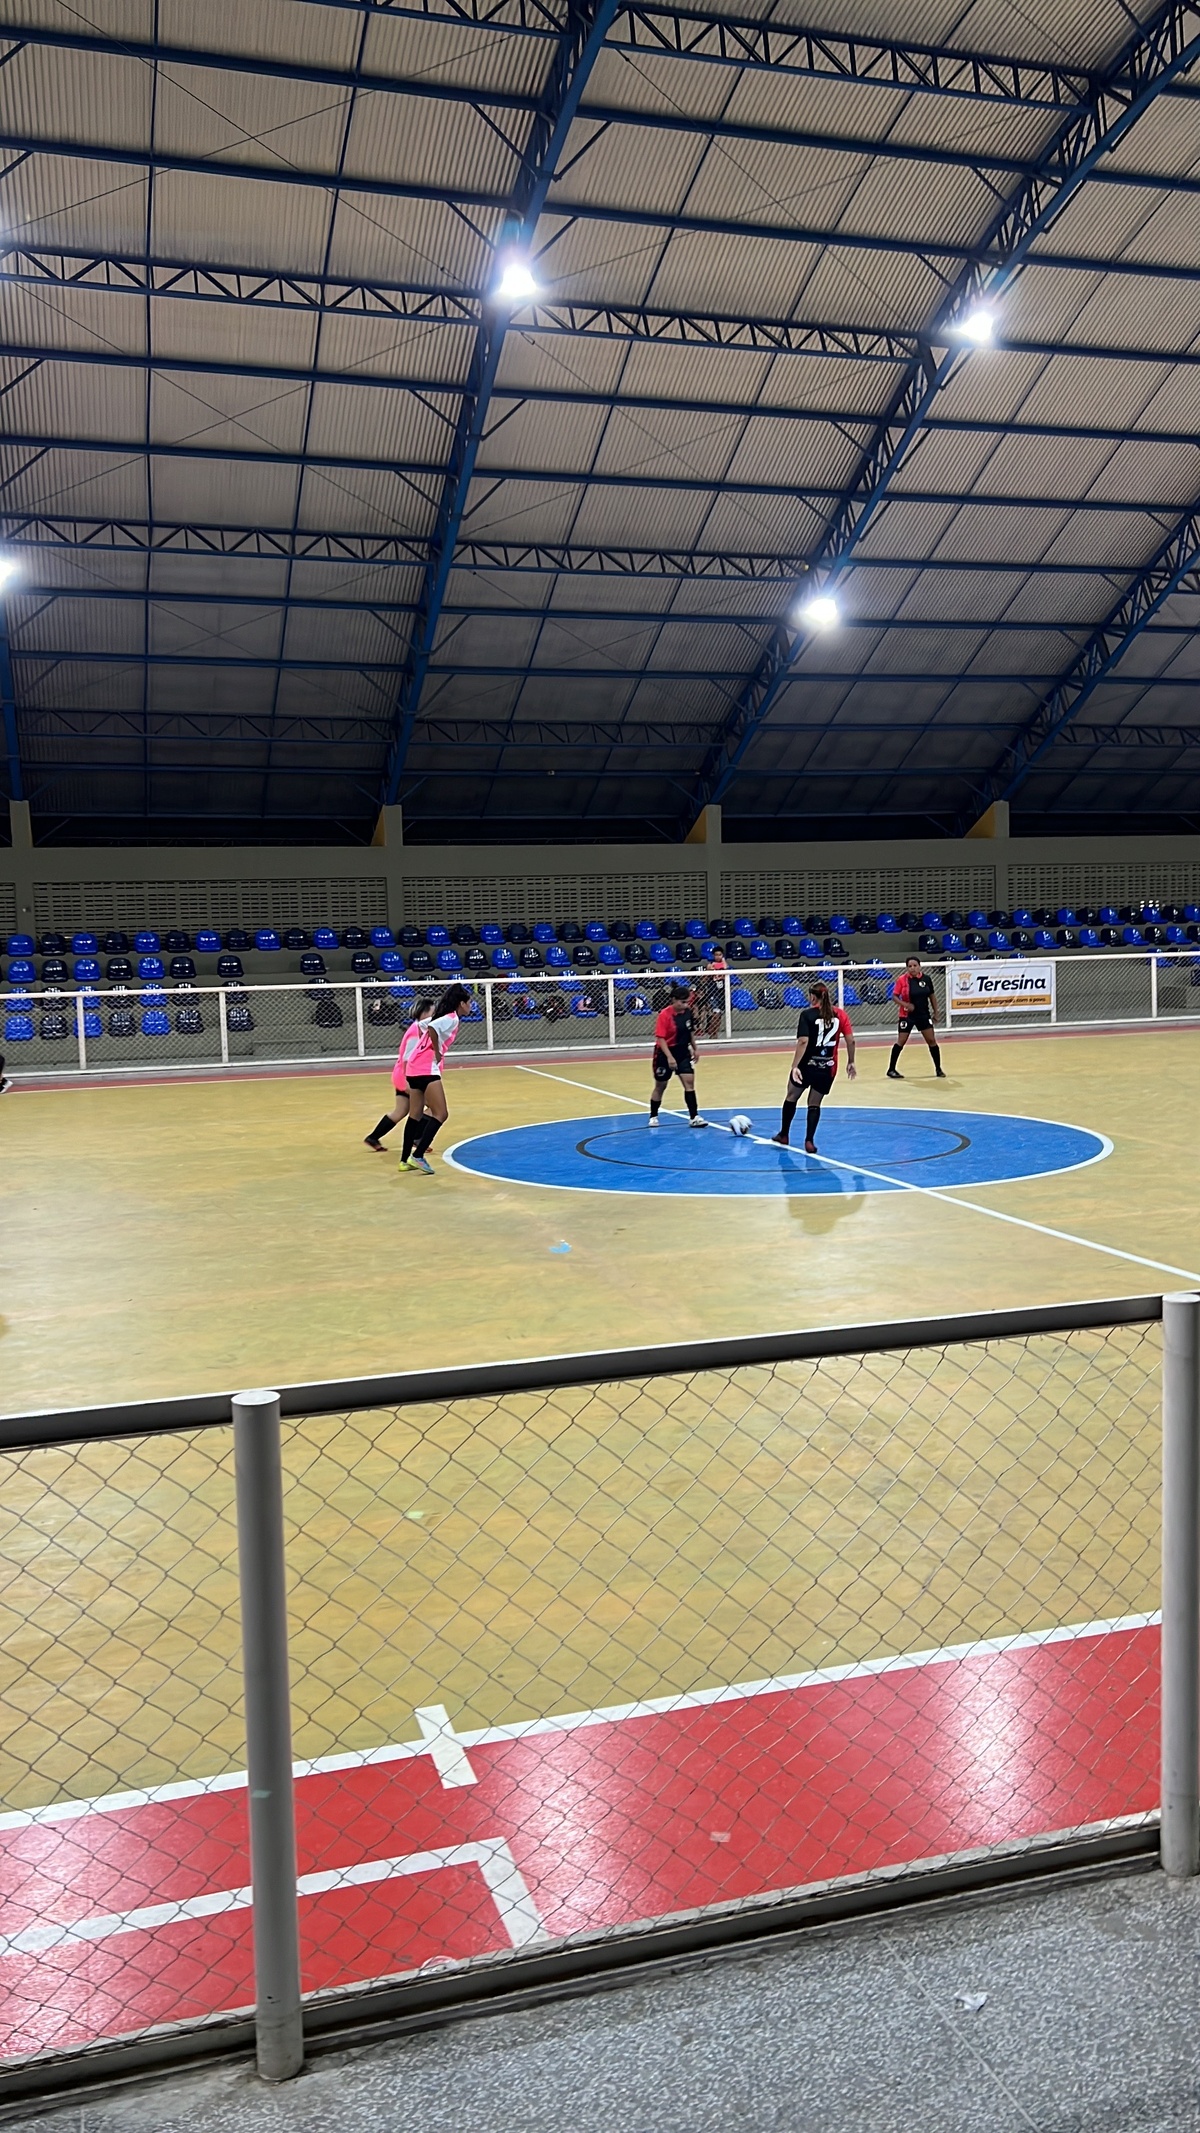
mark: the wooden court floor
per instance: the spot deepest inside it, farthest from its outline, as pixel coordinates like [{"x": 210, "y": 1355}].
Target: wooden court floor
[{"x": 178, "y": 1237}]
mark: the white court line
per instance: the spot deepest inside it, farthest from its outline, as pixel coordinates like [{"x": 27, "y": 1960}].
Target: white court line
[
  {"x": 602, "y": 1715},
  {"x": 509, "y": 1892},
  {"x": 445, "y": 1747},
  {"x": 940, "y": 1193}
]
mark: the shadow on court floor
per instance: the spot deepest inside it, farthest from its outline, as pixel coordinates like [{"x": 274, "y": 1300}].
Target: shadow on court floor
[{"x": 1088, "y": 2023}]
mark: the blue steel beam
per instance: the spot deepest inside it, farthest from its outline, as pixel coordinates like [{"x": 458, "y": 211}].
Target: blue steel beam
[
  {"x": 1159, "y": 51},
  {"x": 463, "y": 309},
  {"x": 586, "y": 27},
  {"x": 1131, "y": 618},
  {"x": 273, "y": 544}
]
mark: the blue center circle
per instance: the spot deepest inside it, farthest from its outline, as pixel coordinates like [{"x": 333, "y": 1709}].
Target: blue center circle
[{"x": 864, "y": 1151}]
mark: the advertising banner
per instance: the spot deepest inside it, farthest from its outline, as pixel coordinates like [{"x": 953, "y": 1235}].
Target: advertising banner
[{"x": 1010, "y": 988}]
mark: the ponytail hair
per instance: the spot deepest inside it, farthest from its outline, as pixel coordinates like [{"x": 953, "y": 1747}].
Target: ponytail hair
[
  {"x": 454, "y": 997},
  {"x": 819, "y": 991}
]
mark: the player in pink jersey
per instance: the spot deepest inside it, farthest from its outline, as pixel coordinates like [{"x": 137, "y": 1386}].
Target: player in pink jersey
[
  {"x": 427, "y": 1109},
  {"x": 422, "y": 1010}
]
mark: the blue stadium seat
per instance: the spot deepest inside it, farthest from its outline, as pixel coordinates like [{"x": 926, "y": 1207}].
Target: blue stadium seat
[
  {"x": 93, "y": 1025},
  {"x": 662, "y": 952},
  {"x": 851, "y": 996},
  {"x": 952, "y": 943},
  {"x": 20, "y": 944},
  {"x": 544, "y": 932},
  {"x": 1152, "y": 911},
  {"x": 744, "y": 929},
  {"x": 448, "y": 959},
  {"x": 146, "y": 943},
  {"x": 811, "y": 949},
  {"x": 839, "y": 923},
  {"x": 761, "y": 950},
  {"x": 156, "y": 1022},
  {"x": 325, "y": 937},
  {"x": 1065, "y": 917},
  {"x": 1022, "y": 917},
  {"x": 382, "y": 937},
  {"x": 502, "y": 959},
  {"x": 610, "y": 953},
  {"x": 1043, "y": 938},
  {"x": 636, "y": 1003},
  {"x": 742, "y": 998},
  {"x": 977, "y": 920},
  {"x": 595, "y": 930},
  {"x": 795, "y": 996},
  {"x": 84, "y": 944},
  {"x": 437, "y": 936},
  {"x": 1088, "y": 937},
  {"x": 584, "y": 1007},
  {"x": 150, "y": 966},
  {"x": 887, "y": 923},
  {"x": 1190, "y": 911},
  {"x": 695, "y": 929},
  {"x": 21, "y": 971},
  {"x": 1108, "y": 914},
  {"x": 1132, "y": 936},
  {"x": 491, "y": 935},
  {"x": 558, "y": 957},
  {"x": 473, "y": 1011},
  {"x": 208, "y": 941},
  {"x": 932, "y": 922},
  {"x": 18, "y": 1029},
  {"x": 86, "y": 969},
  {"x": 266, "y": 940},
  {"x": 645, "y": 930},
  {"x": 997, "y": 939},
  {"x": 1176, "y": 936},
  {"x": 625, "y": 984},
  {"x": 391, "y": 959}
]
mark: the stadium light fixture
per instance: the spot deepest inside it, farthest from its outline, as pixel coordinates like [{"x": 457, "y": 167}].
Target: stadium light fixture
[
  {"x": 517, "y": 283},
  {"x": 978, "y": 326},
  {"x": 820, "y": 613},
  {"x": 9, "y": 569}
]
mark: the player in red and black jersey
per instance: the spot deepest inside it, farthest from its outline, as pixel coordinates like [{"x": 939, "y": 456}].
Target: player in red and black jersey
[
  {"x": 916, "y": 1000},
  {"x": 814, "y": 1062},
  {"x": 675, "y": 1053}
]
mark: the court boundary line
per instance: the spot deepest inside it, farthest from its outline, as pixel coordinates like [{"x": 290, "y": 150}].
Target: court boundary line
[
  {"x": 1023, "y": 1177},
  {"x": 940, "y": 1193},
  {"x": 174, "y": 1790}
]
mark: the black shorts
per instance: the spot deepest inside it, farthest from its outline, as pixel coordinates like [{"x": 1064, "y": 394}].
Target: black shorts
[
  {"x": 668, "y": 1063},
  {"x": 817, "y": 1078},
  {"x": 919, "y": 1019},
  {"x": 421, "y": 1081}
]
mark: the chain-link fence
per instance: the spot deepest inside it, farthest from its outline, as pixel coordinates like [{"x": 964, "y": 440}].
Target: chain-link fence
[
  {"x": 189, "y": 1026},
  {"x": 574, "y": 1653}
]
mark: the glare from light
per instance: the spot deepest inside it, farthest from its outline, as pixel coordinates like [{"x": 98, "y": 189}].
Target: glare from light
[
  {"x": 9, "y": 569},
  {"x": 517, "y": 284},
  {"x": 978, "y": 326},
  {"x": 820, "y": 613}
]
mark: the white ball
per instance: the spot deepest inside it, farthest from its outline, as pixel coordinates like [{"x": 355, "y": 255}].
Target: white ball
[{"x": 740, "y": 1124}]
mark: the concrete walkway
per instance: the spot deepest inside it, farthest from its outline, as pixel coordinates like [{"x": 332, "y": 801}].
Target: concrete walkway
[{"x": 1091, "y": 2024}]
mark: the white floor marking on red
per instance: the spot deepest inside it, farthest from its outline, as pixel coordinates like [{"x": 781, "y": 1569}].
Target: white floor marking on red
[
  {"x": 930, "y": 1192},
  {"x": 449, "y": 1756},
  {"x": 515, "y": 1906},
  {"x": 603, "y": 1715}
]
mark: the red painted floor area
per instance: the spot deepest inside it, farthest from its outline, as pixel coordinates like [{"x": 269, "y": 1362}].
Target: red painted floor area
[{"x": 127, "y": 1916}]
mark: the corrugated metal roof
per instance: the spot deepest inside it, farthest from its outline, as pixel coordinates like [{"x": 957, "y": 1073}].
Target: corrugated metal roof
[{"x": 606, "y": 551}]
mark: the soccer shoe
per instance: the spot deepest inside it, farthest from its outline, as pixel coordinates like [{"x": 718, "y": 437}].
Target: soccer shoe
[
  {"x": 810, "y": 1147},
  {"x": 892, "y": 1075},
  {"x": 698, "y": 1121},
  {"x": 5, "y": 1084},
  {"x": 653, "y": 1119},
  {"x": 781, "y": 1140},
  {"x": 369, "y": 1141},
  {"x": 939, "y": 1074},
  {"x": 417, "y": 1162}
]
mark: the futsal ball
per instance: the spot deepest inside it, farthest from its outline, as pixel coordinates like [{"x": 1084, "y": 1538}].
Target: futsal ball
[{"x": 740, "y": 1124}]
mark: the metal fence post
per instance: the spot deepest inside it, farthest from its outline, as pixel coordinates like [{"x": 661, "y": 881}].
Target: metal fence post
[
  {"x": 261, "y": 1575},
  {"x": 1180, "y": 1838},
  {"x": 81, "y": 1033},
  {"x": 489, "y": 1028},
  {"x": 1154, "y": 988}
]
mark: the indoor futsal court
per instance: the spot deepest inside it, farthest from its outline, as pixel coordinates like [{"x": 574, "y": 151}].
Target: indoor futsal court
[
  {"x": 241, "y": 1225},
  {"x": 599, "y": 1051}
]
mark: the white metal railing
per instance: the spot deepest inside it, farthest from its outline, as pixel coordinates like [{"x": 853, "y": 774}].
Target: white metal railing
[{"x": 301, "y": 1022}]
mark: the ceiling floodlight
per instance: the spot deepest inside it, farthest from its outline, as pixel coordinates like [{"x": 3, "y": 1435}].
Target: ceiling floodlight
[
  {"x": 517, "y": 284},
  {"x": 9, "y": 568},
  {"x": 978, "y": 326},
  {"x": 820, "y": 613}
]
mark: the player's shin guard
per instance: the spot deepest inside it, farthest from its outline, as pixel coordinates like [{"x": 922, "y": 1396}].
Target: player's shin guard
[
  {"x": 935, "y": 1053},
  {"x": 896, "y": 1051},
  {"x": 427, "y": 1133},
  {"x": 412, "y": 1127},
  {"x": 384, "y": 1127},
  {"x": 655, "y": 1102},
  {"x": 689, "y": 1097},
  {"x": 789, "y": 1113},
  {"x": 814, "y": 1120}
]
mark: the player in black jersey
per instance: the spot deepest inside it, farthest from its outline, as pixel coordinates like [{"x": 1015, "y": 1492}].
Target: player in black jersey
[
  {"x": 917, "y": 1001},
  {"x": 814, "y": 1062}
]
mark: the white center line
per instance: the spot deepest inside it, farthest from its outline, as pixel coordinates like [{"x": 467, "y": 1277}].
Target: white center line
[{"x": 943, "y": 1193}]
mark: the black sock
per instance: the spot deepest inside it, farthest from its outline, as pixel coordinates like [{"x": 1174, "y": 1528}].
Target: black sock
[
  {"x": 789, "y": 1113},
  {"x": 426, "y": 1135},
  {"x": 814, "y": 1120},
  {"x": 412, "y": 1127},
  {"x": 896, "y": 1050},
  {"x": 384, "y": 1127},
  {"x": 935, "y": 1053},
  {"x": 655, "y": 1101},
  {"x": 689, "y": 1097}
]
